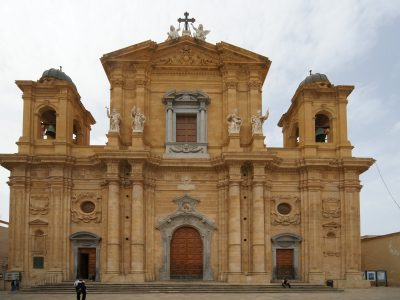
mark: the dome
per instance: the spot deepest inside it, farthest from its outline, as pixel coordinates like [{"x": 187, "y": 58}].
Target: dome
[
  {"x": 313, "y": 78},
  {"x": 58, "y": 74}
]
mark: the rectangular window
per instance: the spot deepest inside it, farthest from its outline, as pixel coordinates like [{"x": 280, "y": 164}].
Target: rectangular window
[
  {"x": 38, "y": 262},
  {"x": 186, "y": 128}
]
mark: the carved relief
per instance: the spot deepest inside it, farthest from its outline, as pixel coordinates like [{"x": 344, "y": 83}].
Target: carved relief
[
  {"x": 285, "y": 210},
  {"x": 186, "y": 148},
  {"x": 331, "y": 239},
  {"x": 86, "y": 207},
  {"x": 186, "y": 184},
  {"x": 38, "y": 236},
  {"x": 187, "y": 56},
  {"x": 39, "y": 204},
  {"x": 331, "y": 208},
  {"x": 39, "y": 242}
]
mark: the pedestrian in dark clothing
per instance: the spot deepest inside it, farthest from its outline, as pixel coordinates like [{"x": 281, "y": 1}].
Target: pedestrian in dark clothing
[
  {"x": 285, "y": 283},
  {"x": 80, "y": 288},
  {"x": 13, "y": 285}
]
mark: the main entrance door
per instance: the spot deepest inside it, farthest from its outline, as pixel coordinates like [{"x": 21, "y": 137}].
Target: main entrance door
[
  {"x": 284, "y": 264},
  {"x": 87, "y": 263},
  {"x": 186, "y": 254}
]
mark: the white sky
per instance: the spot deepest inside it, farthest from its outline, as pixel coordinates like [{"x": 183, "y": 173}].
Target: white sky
[{"x": 352, "y": 42}]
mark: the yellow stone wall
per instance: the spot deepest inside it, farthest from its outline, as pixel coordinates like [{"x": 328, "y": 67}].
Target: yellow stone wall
[{"x": 131, "y": 184}]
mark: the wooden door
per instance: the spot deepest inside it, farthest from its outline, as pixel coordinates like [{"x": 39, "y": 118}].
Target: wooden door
[
  {"x": 87, "y": 263},
  {"x": 186, "y": 254},
  {"x": 284, "y": 264}
]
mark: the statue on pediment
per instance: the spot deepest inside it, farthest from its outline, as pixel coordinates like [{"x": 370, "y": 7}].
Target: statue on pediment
[
  {"x": 199, "y": 32},
  {"x": 173, "y": 33}
]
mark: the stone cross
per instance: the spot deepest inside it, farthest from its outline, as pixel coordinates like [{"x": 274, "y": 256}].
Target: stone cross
[{"x": 186, "y": 20}]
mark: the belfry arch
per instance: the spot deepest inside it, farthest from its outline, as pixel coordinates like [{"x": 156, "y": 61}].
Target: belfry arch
[{"x": 186, "y": 215}]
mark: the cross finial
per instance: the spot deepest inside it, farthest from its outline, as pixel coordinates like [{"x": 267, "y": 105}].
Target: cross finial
[
  {"x": 186, "y": 20},
  {"x": 310, "y": 72}
]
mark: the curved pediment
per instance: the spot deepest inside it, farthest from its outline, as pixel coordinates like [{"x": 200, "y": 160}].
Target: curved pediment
[{"x": 84, "y": 235}]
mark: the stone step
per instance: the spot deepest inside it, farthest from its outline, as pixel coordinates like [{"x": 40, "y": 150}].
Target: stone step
[{"x": 105, "y": 288}]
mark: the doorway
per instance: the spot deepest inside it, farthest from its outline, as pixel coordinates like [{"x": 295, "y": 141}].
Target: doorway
[
  {"x": 87, "y": 263},
  {"x": 284, "y": 264},
  {"x": 186, "y": 254}
]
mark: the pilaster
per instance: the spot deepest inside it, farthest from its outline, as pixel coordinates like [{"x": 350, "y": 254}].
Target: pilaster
[{"x": 137, "y": 237}]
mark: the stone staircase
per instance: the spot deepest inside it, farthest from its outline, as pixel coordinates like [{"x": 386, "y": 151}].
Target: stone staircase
[{"x": 177, "y": 287}]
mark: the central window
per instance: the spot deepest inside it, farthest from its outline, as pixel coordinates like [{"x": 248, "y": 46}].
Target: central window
[
  {"x": 186, "y": 124},
  {"x": 186, "y": 129}
]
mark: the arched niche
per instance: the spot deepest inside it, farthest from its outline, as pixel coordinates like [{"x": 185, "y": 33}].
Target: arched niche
[
  {"x": 186, "y": 215},
  {"x": 84, "y": 239},
  {"x": 286, "y": 242}
]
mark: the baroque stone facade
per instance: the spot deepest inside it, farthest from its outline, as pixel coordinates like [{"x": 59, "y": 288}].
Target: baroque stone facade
[{"x": 176, "y": 193}]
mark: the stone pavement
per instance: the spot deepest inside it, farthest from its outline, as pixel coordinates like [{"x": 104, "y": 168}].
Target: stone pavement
[{"x": 380, "y": 293}]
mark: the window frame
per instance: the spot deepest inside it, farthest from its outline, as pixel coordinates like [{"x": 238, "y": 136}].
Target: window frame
[{"x": 186, "y": 103}]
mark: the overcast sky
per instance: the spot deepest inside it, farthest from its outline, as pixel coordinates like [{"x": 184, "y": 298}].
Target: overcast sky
[{"x": 352, "y": 42}]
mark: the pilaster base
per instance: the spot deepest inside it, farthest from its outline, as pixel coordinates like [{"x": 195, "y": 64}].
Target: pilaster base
[
  {"x": 257, "y": 142},
  {"x": 248, "y": 278},
  {"x": 353, "y": 280},
  {"x": 234, "y": 142},
  {"x": 114, "y": 140},
  {"x": 316, "y": 277},
  {"x": 137, "y": 141},
  {"x": 124, "y": 278}
]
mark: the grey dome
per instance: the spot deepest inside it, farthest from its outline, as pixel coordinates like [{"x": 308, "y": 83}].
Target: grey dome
[
  {"x": 317, "y": 77},
  {"x": 58, "y": 74}
]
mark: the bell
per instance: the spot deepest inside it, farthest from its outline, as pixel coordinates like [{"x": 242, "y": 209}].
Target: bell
[{"x": 51, "y": 131}]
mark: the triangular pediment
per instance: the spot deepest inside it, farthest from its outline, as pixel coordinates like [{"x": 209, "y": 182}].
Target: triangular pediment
[{"x": 184, "y": 52}]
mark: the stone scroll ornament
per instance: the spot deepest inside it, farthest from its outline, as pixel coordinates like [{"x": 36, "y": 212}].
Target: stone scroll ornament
[
  {"x": 257, "y": 122},
  {"x": 86, "y": 208},
  {"x": 234, "y": 122},
  {"x": 138, "y": 119}
]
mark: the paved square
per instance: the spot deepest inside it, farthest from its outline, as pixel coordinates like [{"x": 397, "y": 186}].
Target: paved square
[{"x": 381, "y": 293}]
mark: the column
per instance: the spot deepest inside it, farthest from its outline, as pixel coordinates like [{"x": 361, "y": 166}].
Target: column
[
  {"x": 113, "y": 220},
  {"x": 137, "y": 237},
  {"x": 234, "y": 237},
  {"x": 169, "y": 122},
  {"x": 202, "y": 125}
]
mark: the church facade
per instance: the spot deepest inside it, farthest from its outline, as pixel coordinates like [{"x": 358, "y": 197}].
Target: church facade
[{"x": 185, "y": 186}]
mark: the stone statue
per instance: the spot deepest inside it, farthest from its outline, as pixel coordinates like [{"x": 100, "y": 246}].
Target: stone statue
[
  {"x": 115, "y": 119},
  {"x": 257, "y": 121},
  {"x": 173, "y": 33},
  {"x": 138, "y": 119},
  {"x": 234, "y": 122},
  {"x": 200, "y": 33}
]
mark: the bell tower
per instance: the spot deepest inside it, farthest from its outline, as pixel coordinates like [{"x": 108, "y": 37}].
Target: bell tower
[
  {"x": 317, "y": 118},
  {"x": 54, "y": 118}
]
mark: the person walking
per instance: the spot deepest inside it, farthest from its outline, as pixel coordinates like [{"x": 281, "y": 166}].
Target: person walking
[{"x": 80, "y": 288}]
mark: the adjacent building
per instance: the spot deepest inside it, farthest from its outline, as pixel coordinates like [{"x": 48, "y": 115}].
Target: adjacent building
[{"x": 380, "y": 254}]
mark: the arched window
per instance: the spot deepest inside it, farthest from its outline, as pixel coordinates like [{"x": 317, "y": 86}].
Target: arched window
[
  {"x": 322, "y": 128},
  {"x": 294, "y": 137},
  {"x": 47, "y": 123},
  {"x": 77, "y": 135}
]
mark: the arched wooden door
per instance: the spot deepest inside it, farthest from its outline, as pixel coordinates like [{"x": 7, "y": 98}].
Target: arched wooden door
[{"x": 186, "y": 254}]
